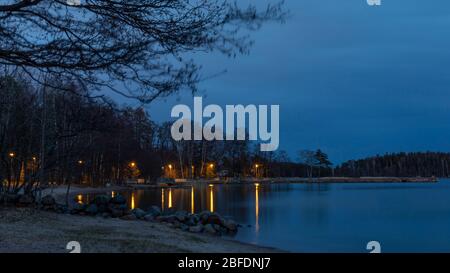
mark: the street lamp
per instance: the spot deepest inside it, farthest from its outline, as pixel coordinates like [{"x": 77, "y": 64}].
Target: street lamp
[
  {"x": 34, "y": 165},
  {"x": 11, "y": 157},
  {"x": 132, "y": 164},
  {"x": 210, "y": 170},
  {"x": 256, "y": 169},
  {"x": 80, "y": 163},
  {"x": 170, "y": 170}
]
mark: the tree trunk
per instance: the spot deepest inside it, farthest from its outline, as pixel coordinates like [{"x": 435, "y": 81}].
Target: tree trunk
[{"x": 43, "y": 133}]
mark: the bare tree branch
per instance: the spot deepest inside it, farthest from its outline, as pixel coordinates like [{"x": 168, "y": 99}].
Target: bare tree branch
[{"x": 137, "y": 48}]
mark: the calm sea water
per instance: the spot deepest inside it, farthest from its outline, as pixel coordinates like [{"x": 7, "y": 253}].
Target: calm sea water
[{"x": 322, "y": 218}]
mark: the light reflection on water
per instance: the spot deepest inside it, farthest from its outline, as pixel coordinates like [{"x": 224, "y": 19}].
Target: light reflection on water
[
  {"x": 211, "y": 198},
  {"x": 80, "y": 199},
  {"x": 321, "y": 217},
  {"x": 257, "y": 206},
  {"x": 170, "y": 198},
  {"x": 133, "y": 203},
  {"x": 192, "y": 200}
]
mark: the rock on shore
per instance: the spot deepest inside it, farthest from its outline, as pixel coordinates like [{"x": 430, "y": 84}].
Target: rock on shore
[{"x": 116, "y": 207}]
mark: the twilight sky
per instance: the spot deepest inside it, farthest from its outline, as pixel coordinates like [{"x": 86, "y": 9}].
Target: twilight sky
[{"x": 350, "y": 79}]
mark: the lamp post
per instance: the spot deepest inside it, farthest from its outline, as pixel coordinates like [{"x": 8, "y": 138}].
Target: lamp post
[
  {"x": 211, "y": 168},
  {"x": 170, "y": 171},
  {"x": 11, "y": 157},
  {"x": 256, "y": 170},
  {"x": 34, "y": 163},
  {"x": 80, "y": 164}
]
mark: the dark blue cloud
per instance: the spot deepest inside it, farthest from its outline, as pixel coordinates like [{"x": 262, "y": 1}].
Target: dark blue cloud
[{"x": 351, "y": 79}]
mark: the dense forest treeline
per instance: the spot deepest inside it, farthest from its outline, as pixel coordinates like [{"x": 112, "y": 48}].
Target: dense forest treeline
[
  {"x": 52, "y": 136},
  {"x": 67, "y": 135},
  {"x": 413, "y": 164}
]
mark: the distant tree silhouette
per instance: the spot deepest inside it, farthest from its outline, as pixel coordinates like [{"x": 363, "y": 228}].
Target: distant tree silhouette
[
  {"x": 309, "y": 159},
  {"x": 322, "y": 161},
  {"x": 425, "y": 164}
]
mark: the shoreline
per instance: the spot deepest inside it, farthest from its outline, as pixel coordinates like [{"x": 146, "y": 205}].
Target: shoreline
[
  {"x": 283, "y": 180},
  {"x": 59, "y": 192},
  {"x": 31, "y": 230},
  {"x": 28, "y": 230}
]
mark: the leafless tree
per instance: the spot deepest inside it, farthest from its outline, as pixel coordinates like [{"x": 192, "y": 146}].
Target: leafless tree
[
  {"x": 137, "y": 48},
  {"x": 308, "y": 158}
]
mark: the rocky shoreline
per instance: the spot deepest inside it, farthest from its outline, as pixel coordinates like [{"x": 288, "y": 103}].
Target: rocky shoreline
[
  {"x": 116, "y": 207},
  {"x": 46, "y": 225}
]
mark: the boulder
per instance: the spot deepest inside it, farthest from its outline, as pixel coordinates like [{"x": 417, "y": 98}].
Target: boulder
[
  {"x": 203, "y": 217},
  {"x": 118, "y": 200},
  {"x": 184, "y": 227},
  {"x": 117, "y": 210},
  {"x": 48, "y": 200},
  {"x": 192, "y": 220},
  {"x": 196, "y": 229},
  {"x": 139, "y": 213},
  {"x": 129, "y": 217},
  {"x": 210, "y": 229},
  {"x": 102, "y": 203},
  {"x": 115, "y": 213},
  {"x": 149, "y": 218},
  {"x": 78, "y": 208},
  {"x": 61, "y": 208},
  {"x": 169, "y": 211},
  {"x": 155, "y": 211},
  {"x": 101, "y": 200},
  {"x": 25, "y": 200},
  {"x": 230, "y": 225},
  {"x": 223, "y": 230},
  {"x": 92, "y": 209},
  {"x": 181, "y": 215},
  {"x": 176, "y": 224},
  {"x": 103, "y": 208},
  {"x": 167, "y": 219},
  {"x": 213, "y": 219}
]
